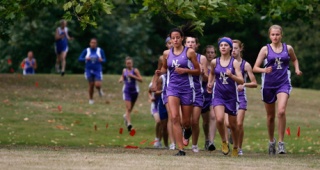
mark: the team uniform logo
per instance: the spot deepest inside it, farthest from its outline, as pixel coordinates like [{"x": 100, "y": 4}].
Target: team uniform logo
[
  {"x": 224, "y": 78},
  {"x": 175, "y": 63},
  {"x": 278, "y": 62}
]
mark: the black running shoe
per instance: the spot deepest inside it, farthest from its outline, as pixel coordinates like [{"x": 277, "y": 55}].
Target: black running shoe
[
  {"x": 62, "y": 74},
  {"x": 180, "y": 153},
  {"x": 129, "y": 127},
  {"x": 187, "y": 133},
  {"x": 211, "y": 147}
]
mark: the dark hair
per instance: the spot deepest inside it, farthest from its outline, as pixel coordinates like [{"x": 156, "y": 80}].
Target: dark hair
[
  {"x": 186, "y": 30},
  {"x": 208, "y": 46}
]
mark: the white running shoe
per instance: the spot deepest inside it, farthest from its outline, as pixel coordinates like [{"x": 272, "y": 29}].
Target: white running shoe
[
  {"x": 281, "y": 148},
  {"x": 157, "y": 144},
  {"x": 172, "y": 146},
  {"x": 101, "y": 92},
  {"x": 91, "y": 101},
  {"x": 240, "y": 152},
  {"x": 195, "y": 148}
]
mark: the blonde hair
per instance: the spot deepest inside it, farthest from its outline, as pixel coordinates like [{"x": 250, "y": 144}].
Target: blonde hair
[
  {"x": 275, "y": 27},
  {"x": 241, "y": 45}
]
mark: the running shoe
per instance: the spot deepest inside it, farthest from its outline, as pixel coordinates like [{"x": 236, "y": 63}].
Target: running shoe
[
  {"x": 172, "y": 146},
  {"x": 225, "y": 148},
  {"x": 129, "y": 127},
  {"x": 211, "y": 146},
  {"x": 240, "y": 152},
  {"x": 57, "y": 68},
  {"x": 101, "y": 92},
  {"x": 62, "y": 74},
  {"x": 157, "y": 144},
  {"x": 281, "y": 148},
  {"x": 91, "y": 101},
  {"x": 234, "y": 152},
  {"x": 272, "y": 147},
  {"x": 181, "y": 153},
  {"x": 195, "y": 148},
  {"x": 206, "y": 145}
]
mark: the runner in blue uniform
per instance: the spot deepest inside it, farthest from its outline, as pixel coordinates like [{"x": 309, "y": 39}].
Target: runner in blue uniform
[
  {"x": 93, "y": 57},
  {"x": 61, "y": 46},
  {"x": 29, "y": 64}
]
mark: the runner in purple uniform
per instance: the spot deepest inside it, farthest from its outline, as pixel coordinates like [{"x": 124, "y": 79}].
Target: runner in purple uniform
[
  {"x": 193, "y": 43},
  {"x": 208, "y": 116},
  {"x": 177, "y": 62},
  {"x": 163, "y": 85},
  {"x": 154, "y": 98},
  {"x": 130, "y": 76},
  {"x": 246, "y": 71},
  {"x": 276, "y": 83},
  {"x": 225, "y": 73}
]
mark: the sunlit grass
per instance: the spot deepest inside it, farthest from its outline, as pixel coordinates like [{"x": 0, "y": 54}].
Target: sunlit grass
[{"x": 49, "y": 110}]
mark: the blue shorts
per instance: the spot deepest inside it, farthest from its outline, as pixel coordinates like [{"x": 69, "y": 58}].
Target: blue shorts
[
  {"x": 60, "y": 49},
  {"x": 28, "y": 71},
  {"x": 270, "y": 95},
  {"x": 130, "y": 96},
  {"x": 207, "y": 102},
  {"x": 186, "y": 97},
  {"x": 163, "y": 113},
  {"x": 92, "y": 75}
]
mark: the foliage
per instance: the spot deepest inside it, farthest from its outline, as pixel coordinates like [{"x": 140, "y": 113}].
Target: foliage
[{"x": 138, "y": 28}]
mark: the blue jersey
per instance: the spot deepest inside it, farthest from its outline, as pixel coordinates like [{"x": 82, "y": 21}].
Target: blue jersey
[
  {"x": 62, "y": 44},
  {"x": 242, "y": 94},
  {"x": 28, "y": 66},
  {"x": 93, "y": 54}
]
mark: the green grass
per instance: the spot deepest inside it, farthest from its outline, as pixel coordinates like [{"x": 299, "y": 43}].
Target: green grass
[{"x": 29, "y": 116}]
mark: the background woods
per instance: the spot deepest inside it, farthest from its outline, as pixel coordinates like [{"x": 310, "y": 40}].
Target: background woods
[{"x": 138, "y": 28}]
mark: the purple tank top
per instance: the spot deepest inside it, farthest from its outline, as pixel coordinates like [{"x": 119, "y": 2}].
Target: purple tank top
[
  {"x": 279, "y": 62},
  {"x": 225, "y": 88},
  {"x": 197, "y": 80},
  {"x": 207, "y": 96},
  {"x": 130, "y": 84},
  {"x": 244, "y": 74},
  {"x": 175, "y": 81}
]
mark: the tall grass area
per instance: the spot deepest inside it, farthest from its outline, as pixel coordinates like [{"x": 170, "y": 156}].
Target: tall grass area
[{"x": 50, "y": 110}]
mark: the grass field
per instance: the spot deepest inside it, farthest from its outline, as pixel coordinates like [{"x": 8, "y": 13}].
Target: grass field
[{"x": 46, "y": 120}]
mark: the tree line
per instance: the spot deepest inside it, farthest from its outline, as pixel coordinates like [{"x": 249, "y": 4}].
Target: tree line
[{"x": 139, "y": 28}]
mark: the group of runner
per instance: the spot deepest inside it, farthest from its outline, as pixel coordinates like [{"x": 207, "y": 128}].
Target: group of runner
[
  {"x": 187, "y": 85},
  {"x": 215, "y": 87}
]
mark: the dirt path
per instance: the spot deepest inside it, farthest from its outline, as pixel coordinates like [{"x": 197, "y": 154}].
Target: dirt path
[{"x": 121, "y": 158}]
